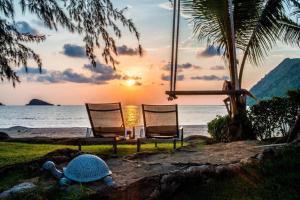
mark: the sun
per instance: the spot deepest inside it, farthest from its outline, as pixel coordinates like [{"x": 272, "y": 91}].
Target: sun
[{"x": 131, "y": 82}]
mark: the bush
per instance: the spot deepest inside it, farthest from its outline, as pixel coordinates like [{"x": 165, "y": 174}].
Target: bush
[
  {"x": 217, "y": 128},
  {"x": 272, "y": 118}
]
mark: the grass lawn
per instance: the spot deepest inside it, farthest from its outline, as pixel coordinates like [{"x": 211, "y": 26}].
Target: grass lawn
[{"x": 11, "y": 153}]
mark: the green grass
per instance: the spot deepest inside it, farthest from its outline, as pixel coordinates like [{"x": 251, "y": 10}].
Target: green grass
[{"x": 11, "y": 153}]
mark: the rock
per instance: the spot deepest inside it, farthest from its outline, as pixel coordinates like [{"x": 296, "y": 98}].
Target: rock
[
  {"x": 38, "y": 102},
  {"x": 220, "y": 169},
  {"x": 200, "y": 169},
  {"x": 4, "y": 136},
  {"x": 1, "y": 104},
  {"x": 17, "y": 189},
  {"x": 234, "y": 168}
]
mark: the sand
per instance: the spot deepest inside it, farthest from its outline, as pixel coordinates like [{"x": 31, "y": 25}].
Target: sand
[{"x": 24, "y": 132}]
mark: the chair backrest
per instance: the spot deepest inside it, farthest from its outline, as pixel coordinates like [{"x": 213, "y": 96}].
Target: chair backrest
[
  {"x": 161, "y": 120},
  {"x": 106, "y": 119}
]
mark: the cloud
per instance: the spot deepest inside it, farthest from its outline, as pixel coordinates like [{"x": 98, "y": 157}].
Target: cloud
[
  {"x": 210, "y": 51},
  {"x": 217, "y": 67},
  {"x": 73, "y": 50},
  {"x": 138, "y": 83},
  {"x": 100, "y": 74},
  {"x": 24, "y": 27},
  {"x": 169, "y": 6},
  {"x": 126, "y": 77},
  {"x": 99, "y": 68},
  {"x": 37, "y": 22},
  {"x": 67, "y": 75},
  {"x": 124, "y": 50},
  {"x": 167, "y": 77},
  {"x": 31, "y": 70},
  {"x": 181, "y": 67},
  {"x": 210, "y": 78},
  {"x": 166, "y": 5}
]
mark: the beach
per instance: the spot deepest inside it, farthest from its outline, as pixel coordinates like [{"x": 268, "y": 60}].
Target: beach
[
  {"x": 72, "y": 121},
  {"x": 71, "y": 132}
]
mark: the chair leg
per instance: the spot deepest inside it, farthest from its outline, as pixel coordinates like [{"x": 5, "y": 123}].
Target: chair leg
[
  {"x": 115, "y": 146},
  {"x": 174, "y": 144},
  {"x": 138, "y": 145},
  {"x": 181, "y": 137}
]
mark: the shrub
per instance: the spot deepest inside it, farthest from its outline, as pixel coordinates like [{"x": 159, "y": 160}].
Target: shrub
[
  {"x": 217, "y": 128},
  {"x": 274, "y": 117}
]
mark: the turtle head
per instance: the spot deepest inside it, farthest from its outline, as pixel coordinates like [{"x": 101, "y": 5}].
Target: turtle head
[
  {"x": 108, "y": 180},
  {"x": 50, "y": 166}
]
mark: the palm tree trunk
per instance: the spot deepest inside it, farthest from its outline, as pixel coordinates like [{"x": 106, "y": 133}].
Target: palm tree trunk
[
  {"x": 239, "y": 127},
  {"x": 232, "y": 61}
]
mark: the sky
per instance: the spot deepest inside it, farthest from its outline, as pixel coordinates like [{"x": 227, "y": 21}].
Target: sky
[{"x": 68, "y": 78}]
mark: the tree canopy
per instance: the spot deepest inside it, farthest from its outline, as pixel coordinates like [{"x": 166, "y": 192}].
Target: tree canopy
[
  {"x": 97, "y": 21},
  {"x": 258, "y": 26}
]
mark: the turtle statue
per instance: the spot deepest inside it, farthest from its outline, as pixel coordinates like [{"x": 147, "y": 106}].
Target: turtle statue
[{"x": 84, "y": 168}]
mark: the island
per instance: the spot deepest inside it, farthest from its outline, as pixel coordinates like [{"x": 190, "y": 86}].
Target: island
[
  {"x": 1, "y": 104},
  {"x": 38, "y": 102}
]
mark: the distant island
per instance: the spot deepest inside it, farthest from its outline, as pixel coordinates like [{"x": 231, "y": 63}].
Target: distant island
[
  {"x": 38, "y": 102},
  {"x": 284, "y": 77},
  {"x": 1, "y": 104}
]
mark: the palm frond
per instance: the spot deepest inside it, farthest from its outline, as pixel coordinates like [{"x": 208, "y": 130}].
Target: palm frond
[{"x": 270, "y": 25}]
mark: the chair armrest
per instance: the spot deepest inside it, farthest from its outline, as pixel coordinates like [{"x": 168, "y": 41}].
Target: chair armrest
[
  {"x": 181, "y": 132},
  {"x": 88, "y": 132}
]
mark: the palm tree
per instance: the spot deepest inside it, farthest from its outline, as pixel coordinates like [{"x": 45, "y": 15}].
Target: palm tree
[
  {"x": 252, "y": 26},
  {"x": 97, "y": 21}
]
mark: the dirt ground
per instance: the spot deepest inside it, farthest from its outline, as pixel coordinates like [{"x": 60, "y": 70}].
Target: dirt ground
[{"x": 132, "y": 168}]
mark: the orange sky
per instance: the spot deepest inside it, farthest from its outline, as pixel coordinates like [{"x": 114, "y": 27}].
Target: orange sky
[{"x": 153, "y": 20}]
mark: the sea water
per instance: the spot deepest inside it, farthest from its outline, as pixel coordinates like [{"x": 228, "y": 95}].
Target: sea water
[{"x": 194, "y": 118}]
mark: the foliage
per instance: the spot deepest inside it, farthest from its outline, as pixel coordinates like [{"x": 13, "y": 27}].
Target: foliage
[
  {"x": 294, "y": 96},
  {"x": 258, "y": 26},
  {"x": 97, "y": 21},
  {"x": 271, "y": 118},
  {"x": 282, "y": 174},
  {"x": 217, "y": 128}
]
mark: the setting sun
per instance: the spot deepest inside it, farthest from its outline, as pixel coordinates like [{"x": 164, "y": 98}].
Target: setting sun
[{"x": 130, "y": 82}]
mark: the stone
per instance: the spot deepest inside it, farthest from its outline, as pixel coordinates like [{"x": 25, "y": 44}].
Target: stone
[
  {"x": 17, "y": 189},
  {"x": 4, "y": 136},
  {"x": 266, "y": 154},
  {"x": 220, "y": 169}
]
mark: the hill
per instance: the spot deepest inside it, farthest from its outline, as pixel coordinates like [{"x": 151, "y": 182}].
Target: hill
[
  {"x": 37, "y": 102},
  {"x": 284, "y": 77}
]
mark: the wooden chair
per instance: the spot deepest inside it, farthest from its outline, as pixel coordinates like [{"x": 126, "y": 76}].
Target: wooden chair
[
  {"x": 107, "y": 122},
  {"x": 161, "y": 124}
]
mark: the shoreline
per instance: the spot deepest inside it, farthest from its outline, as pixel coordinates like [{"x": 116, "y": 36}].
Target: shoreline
[{"x": 75, "y": 132}]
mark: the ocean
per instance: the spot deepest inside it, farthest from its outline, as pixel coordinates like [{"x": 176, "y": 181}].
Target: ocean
[{"x": 193, "y": 118}]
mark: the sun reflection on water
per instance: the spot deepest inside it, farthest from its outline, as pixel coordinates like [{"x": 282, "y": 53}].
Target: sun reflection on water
[{"x": 132, "y": 116}]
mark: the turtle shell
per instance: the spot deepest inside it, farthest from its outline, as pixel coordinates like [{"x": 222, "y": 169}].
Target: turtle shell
[{"x": 86, "y": 168}]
